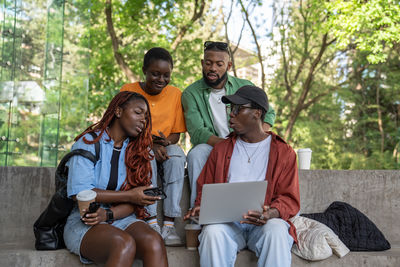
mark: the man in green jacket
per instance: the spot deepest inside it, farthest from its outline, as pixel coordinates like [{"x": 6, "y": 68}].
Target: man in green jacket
[{"x": 205, "y": 114}]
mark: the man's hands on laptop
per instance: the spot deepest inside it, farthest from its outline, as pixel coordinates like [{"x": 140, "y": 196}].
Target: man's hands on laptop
[
  {"x": 192, "y": 213},
  {"x": 251, "y": 217},
  {"x": 260, "y": 217}
]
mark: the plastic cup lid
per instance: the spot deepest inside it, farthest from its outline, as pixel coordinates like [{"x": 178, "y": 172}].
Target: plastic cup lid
[
  {"x": 304, "y": 150},
  {"x": 86, "y": 195}
]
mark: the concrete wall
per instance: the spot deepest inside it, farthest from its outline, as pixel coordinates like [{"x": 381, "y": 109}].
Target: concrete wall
[
  {"x": 25, "y": 192},
  {"x": 376, "y": 193}
]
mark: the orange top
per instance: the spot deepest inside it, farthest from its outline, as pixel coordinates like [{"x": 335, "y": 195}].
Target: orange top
[{"x": 165, "y": 109}]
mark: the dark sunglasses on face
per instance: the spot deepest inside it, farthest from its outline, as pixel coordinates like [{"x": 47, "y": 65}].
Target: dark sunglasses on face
[
  {"x": 220, "y": 45},
  {"x": 235, "y": 109}
]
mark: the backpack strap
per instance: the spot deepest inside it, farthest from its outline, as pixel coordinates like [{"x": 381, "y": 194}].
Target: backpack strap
[
  {"x": 81, "y": 152},
  {"x": 96, "y": 146}
]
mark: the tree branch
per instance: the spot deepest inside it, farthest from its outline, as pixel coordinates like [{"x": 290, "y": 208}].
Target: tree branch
[
  {"x": 318, "y": 97},
  {"x": 305, "y": 53},
  {"x": 227, "y": 36},
  {"x": 240, "y": 38},
  {"x": 196, "y": 15},
  {"x": 257, "y": 45},
  {"x": 285, "y": 62},
  {"x": 328, "y": 60},
  {"x": 114, "y": 39},
  {"x": 305, "y": 88}
]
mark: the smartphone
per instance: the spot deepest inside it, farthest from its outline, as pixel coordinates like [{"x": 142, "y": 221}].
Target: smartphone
[
  {"x": 155, "y": 192},
  {"x": 156, "y": 137},
  {"x": 93, "y": 207}
]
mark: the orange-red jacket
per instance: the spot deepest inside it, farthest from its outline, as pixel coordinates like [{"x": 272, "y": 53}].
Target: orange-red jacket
[{"x": 282, "y": 176}]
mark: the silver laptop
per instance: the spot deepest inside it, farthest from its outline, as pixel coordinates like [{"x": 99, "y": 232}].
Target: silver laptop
[{"x": 227, "y": 202}]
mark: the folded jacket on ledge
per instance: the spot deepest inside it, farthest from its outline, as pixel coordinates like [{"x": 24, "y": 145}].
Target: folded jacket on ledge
[
  {"x": 355, "y": 230},
  {"x": 316, "y": 241}
]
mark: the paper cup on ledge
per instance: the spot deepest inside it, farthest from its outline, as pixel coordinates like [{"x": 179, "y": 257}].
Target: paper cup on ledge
[
  {"x": 84, "y": 198},
  {"x": 192, "y": 236},
  {"x": 304, "y": 155}
]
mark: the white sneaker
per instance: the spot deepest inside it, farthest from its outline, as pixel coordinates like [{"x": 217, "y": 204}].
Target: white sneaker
[
  {"x": 170, "y": 236},
  {"x": 155, "y": 227}
]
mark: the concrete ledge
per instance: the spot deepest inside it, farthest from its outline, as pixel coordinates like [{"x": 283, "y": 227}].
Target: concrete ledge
[
  {"x": 384, "y": 258},
  {"x": 182, "y": 257},
  {"x": 25, "y": 192}
]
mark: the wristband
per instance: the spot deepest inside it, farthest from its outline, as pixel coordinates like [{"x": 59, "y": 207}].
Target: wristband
[{"x": 109, "y": 216}]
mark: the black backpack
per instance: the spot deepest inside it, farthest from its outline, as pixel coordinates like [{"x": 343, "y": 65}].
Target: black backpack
[{"x": 49, "y": 227}]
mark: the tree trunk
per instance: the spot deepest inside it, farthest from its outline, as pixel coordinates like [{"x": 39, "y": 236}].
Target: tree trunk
[
  {"x": 114, "y": 39},
  {"x": 378, "y": 107},
  {"x": 305, "y": 88}
]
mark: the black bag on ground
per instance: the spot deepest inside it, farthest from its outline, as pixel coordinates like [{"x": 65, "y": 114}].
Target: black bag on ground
[
  {"x": 49, "y": 227},
  {"x": 352, "y": 227}
]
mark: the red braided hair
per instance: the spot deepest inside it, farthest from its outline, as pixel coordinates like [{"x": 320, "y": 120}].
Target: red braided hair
[{"x": 137, "y": 154}]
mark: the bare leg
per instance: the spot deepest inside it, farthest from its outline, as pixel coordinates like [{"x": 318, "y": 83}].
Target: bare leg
[
  {"x": 149, "y": 245},
  {"x": 104, "y": 243}
]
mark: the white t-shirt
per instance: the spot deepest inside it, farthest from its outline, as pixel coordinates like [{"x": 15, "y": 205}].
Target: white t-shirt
[
  {"x": 218, "y": 110},
  {"x": 241, "y": 169}
]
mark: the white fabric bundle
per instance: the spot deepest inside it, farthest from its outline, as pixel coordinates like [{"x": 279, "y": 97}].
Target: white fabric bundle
[{"x": 316, "y": 240}]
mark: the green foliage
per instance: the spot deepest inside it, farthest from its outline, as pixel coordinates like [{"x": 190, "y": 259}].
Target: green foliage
[
  {"x": 373, "y": 89},
  {"x": 308, "y": 68},
  {"x": 369, "y": 25},
  {"x": 356, "y": 124},
  {"x": 352, "y": 121},
  {"x": 140, "y": 25}
]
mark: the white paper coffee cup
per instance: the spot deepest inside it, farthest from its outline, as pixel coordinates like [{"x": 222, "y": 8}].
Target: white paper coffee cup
[
  {"x": 192, "y": 236},
  {"x": 304, "y": 155},
  {"x": 84, "y": 198}
]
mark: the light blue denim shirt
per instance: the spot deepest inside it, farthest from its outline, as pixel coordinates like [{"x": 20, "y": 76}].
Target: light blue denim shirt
[{"x": 83, "y": 175}]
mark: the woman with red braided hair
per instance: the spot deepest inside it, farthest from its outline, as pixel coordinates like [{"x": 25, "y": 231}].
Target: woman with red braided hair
[{"x": 116, "y": 233}]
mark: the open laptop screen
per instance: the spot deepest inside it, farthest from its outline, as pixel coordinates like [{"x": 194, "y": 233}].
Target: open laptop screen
[{"x": 228, "y": 202}]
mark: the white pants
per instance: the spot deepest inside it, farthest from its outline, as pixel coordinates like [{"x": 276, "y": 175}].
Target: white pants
[{"x": 220, "y": 243}]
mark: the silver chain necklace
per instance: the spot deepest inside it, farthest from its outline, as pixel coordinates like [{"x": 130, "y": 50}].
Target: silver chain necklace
[{"x": 247, "y": 153}]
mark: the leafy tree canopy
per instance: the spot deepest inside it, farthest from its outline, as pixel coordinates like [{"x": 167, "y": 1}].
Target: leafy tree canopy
[{"x": 370, "y": 26}]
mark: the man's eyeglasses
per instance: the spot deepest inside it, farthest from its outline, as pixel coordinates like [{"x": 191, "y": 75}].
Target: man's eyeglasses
[
  {"x": 220, "y": 45},
  {"x": 235, "y": 109}
]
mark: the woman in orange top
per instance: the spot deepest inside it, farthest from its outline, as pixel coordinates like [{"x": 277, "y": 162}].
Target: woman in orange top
[{"x": 167, "y": 124}]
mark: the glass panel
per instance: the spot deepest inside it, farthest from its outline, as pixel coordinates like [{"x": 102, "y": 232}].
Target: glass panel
[
  {"x": 75, "y": 74},
  {"x": 48, "y": 148},
  {"x": 10, "y": 91},
  {"x": 43, "y": 85}
]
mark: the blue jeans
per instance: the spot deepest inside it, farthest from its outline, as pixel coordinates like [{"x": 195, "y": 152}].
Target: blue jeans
[
  {"x": 196, "y": 159},
  {"x": 220, "y": 243},
  {"x": 174, "y": 172}
]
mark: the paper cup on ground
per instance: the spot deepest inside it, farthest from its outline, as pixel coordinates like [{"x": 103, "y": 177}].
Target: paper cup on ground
[
  {"x": 304, "y": 155},
  {"x": 192, "y": 236},
  {"x": 84, "y": 198}
]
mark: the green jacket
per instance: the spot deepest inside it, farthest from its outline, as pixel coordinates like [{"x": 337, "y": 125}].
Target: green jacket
[{"x": 197, "y": 111}]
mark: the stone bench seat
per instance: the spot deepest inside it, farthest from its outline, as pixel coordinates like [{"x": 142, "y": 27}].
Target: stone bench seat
[
  {"x": 24, "y": 254},
  {"x": 25, "y": 192}
]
